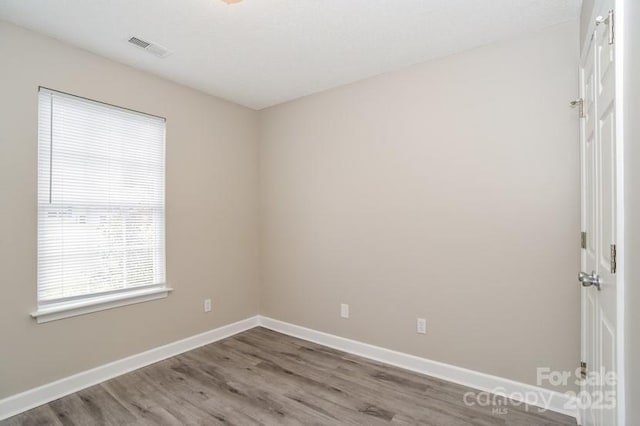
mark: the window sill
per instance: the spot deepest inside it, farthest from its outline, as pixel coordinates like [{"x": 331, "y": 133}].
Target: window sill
[{"x": 72, "y": 309}]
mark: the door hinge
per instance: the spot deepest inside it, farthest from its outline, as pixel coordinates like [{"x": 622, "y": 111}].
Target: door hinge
[
  {"x": 610, "y": 21},
  {"x": 583, "y": 370},
  {"x": 612, "y": 28},
  {"x": 583, "y": 240},
  {"x": 580, "y": 104},
  {"x": 614, "y": 260}
]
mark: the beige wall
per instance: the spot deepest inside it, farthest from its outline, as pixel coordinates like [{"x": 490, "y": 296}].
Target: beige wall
[
  {"x": 449, "y": 190},
  {"x": 632, "y": 207},
  {"x": 211, "y": 213}
]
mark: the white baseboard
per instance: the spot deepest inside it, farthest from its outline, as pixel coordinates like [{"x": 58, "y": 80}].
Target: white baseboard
[
  {"x": 548, "y": 399},
  {"x": 32, "y": 398},
  {"x": 484, "y": 382}
]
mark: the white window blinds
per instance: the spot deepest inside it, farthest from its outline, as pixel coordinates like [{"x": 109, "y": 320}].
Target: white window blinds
[{"x": 100, "y": 199}]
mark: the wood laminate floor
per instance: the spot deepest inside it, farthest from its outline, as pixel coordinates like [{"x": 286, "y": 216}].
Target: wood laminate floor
[{"x": 261, "y": 377}]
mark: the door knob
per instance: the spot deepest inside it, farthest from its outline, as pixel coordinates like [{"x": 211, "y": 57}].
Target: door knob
[{"x": 589, "y": 280}]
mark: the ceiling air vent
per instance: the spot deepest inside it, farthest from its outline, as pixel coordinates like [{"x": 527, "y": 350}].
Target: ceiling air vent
[{"x": 153, "y": 48}]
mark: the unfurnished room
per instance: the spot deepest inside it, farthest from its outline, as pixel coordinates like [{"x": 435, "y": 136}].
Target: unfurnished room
[{"x": 320, "y": 212}]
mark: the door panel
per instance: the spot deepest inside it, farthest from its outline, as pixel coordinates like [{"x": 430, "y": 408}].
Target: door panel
[
  {"x": 607, "y": 363},
  {"x": 590, "y": 357},
  {"x": 589, "y": 160},
  {"x": 599, "y": 207},
  {"x": 607, "y": 195}
]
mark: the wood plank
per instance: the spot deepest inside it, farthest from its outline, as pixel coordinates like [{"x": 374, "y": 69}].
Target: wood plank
[{"x": 261, "y": 377}]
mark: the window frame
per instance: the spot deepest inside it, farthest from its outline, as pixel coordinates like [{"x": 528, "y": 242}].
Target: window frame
[{"x": 51, "y": 310}]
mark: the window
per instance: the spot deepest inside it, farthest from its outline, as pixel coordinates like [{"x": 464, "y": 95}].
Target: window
[{"x": 101, "y": 206}]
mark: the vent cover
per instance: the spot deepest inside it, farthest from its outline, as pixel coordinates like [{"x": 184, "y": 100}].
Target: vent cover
[{"x": 153, "y": 48}]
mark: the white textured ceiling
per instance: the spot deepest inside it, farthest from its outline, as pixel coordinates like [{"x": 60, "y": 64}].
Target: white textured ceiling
[{"x": 260, "y": 53}]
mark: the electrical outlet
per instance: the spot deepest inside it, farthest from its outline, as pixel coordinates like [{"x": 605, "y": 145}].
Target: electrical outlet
[
  {"x": 421, "y": 326},
  {"x": 344, "y": 310},
  {"x": 207, "y": 305}
]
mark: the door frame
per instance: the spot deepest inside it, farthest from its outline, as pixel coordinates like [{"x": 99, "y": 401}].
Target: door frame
[{"x": 619, "y": 25}]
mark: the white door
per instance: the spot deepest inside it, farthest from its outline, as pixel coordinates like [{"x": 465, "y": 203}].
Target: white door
[{"x": 599, "y": 201}]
